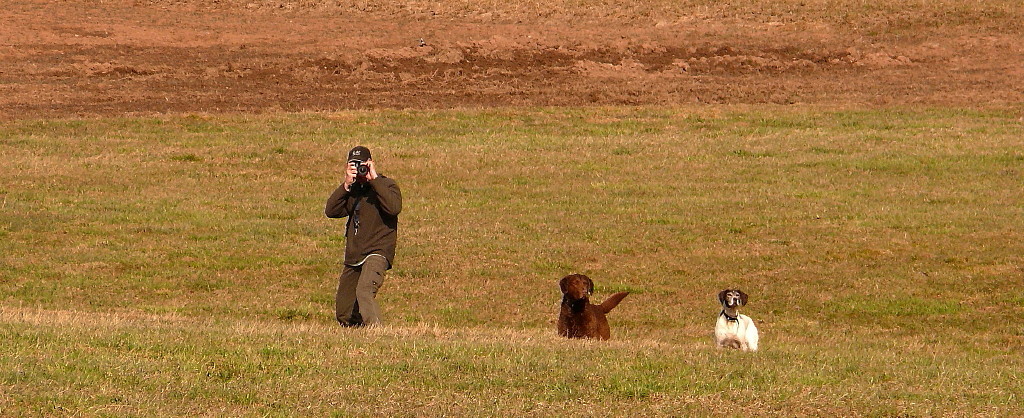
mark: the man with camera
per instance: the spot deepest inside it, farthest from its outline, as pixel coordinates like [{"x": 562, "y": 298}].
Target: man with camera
[{"x": 372, "y": 203}]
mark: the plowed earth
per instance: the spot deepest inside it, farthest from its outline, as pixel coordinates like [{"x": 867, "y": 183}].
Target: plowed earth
[{"x": 60, "y": 59}]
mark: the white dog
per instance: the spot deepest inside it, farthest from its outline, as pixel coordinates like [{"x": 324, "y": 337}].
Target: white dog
[{"x": 733, "y": 329}]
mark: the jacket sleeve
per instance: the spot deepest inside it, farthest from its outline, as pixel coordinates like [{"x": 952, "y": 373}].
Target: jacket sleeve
[
  {"x": 388, "y": 194},
  {"x": 336, "y": 203}
]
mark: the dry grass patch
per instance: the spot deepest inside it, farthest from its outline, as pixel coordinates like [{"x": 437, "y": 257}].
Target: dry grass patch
[{"x": 91, "y": 363}]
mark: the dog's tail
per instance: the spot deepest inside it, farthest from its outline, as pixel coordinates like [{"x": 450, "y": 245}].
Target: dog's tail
[{"x": 612, "y": 302}]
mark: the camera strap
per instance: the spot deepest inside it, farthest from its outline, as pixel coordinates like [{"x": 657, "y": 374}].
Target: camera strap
[{"x": 355, "y": 216}]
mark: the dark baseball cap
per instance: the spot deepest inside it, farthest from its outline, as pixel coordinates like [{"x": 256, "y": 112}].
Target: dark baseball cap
[{"x": 360, "y": 153}]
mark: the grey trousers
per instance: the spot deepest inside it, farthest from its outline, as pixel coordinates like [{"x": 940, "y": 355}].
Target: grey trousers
[{"x": 355, "y": 304}]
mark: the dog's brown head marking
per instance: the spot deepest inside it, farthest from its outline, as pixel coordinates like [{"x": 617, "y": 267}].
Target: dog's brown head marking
[
  {"x": 576, "y": 286},
  {"x": 732, "y": 298}
]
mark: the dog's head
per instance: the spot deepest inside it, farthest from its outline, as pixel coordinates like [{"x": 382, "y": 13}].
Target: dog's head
[
  {"x": 732, "y": 298},
  {"x": 576, "y": 286}
]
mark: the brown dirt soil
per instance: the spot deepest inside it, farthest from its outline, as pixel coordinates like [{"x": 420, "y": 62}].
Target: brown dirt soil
[{"x": 122, "y": 57}]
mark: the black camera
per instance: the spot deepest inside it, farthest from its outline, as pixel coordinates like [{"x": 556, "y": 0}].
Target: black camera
[{"x": 361, "y": 168}]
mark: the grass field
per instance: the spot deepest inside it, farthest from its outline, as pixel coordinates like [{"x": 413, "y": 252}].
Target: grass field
[{"x": 182, "y": 264}]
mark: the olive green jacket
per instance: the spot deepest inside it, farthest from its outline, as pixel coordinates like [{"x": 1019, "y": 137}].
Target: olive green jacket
[{"x": 372, "y": 226}]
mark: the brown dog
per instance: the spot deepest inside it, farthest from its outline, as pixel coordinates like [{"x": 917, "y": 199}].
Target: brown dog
[{"x": 579, "y": 318}]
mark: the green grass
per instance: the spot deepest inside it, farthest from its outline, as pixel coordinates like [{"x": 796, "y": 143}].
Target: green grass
[{"x": 182, "y": 265}]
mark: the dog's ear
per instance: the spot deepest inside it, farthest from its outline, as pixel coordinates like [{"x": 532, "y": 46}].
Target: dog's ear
[
  {"x": 562, "y": 283},
  {"x": 590, "y": 285},
  {"x": 743, "y": 297},
  {"x": 721, "y": 296}
]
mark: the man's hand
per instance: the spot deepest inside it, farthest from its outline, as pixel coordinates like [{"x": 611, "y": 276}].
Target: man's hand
[
  {"x": 350, "y": 175},
  {"x": 372, "y": 174}
]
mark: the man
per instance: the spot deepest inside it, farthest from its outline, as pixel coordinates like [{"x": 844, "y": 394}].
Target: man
[{"x": 372, "y": 203}]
